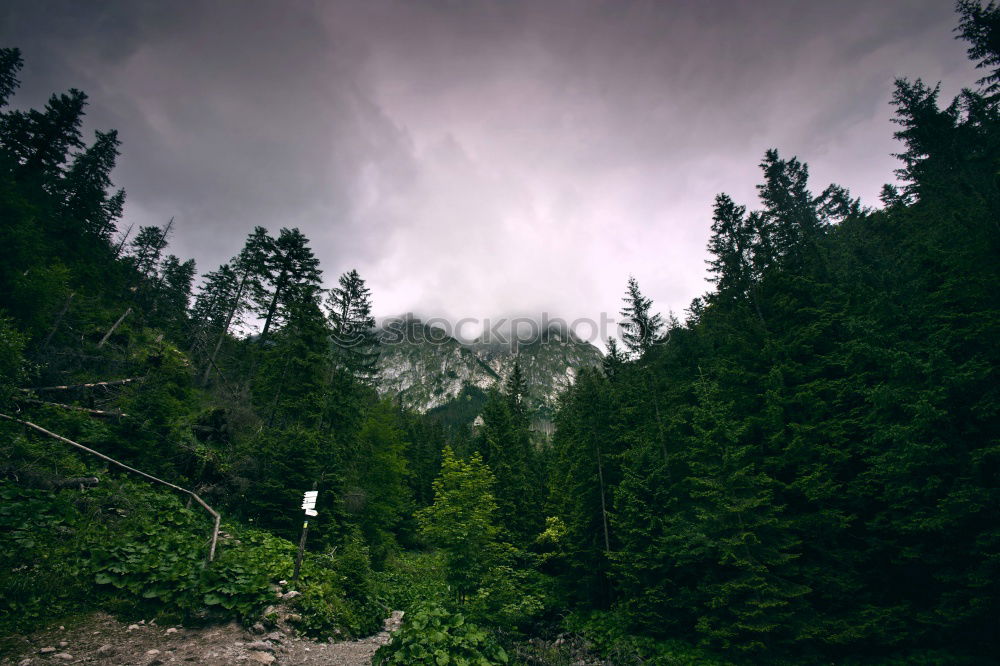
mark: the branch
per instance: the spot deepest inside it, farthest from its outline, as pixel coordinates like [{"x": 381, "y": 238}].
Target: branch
[
  {"x": 70, "y": 387},
  {"x": 215, "y": 514}
]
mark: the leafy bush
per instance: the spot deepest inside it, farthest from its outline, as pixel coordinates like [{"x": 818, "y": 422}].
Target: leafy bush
[
  {"x": 135, "y": 547},
  {"x": 410, "y": 578},
  {"x": 606, "y": 632},
  {"x": 337, "y": 592},
  {"x": 433, "y": 635}
]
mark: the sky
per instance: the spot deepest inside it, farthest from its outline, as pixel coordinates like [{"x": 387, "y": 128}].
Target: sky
[{"x": 482, "y": 159}]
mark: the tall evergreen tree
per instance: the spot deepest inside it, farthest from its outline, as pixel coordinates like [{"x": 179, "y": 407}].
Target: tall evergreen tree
[
  {"x": 641, "y": 327},
  {"x": 292, "y": 275},
  {"x": 10, "y": 65},
  {"x": 980, "y": 27},
  {"x": 349, "y": 310}
]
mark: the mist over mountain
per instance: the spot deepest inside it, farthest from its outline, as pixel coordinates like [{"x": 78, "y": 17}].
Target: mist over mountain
[{"x": 425, "y": 367}]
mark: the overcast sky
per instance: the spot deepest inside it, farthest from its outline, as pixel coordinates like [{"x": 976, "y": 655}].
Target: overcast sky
[{"x": 476, "y": 159}]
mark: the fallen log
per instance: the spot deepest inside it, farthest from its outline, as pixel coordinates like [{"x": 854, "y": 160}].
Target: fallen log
[
  {"x": 69, "y": 387},
  {"x": 78, "y": 482},
  {"x": 85, "y": 410}
]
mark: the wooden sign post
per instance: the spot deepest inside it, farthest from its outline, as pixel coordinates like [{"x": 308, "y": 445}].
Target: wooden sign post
[{"x": 309, "y": 505}]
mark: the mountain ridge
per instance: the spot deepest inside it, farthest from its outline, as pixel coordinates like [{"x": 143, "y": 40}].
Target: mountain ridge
[{"x": 425, "y": 367}]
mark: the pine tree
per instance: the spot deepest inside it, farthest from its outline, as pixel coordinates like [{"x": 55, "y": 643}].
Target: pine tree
[
  {"x": 640, "y": 328},
  {"x": 10, "y": 65},
  {"x": 582, "y": 477},
  {"x": 41, "y": 142},
  {"x": 613, "y": 360},
  {"x": 85, "y": 188},
  {"x": 349, "y": 310},
  {"x": 292, "y": 275},
  {"x": 980, "y": 26},
  {"x": 175, "y": 294},
  {"x": 146, "y": 249},
  {"x": 749, "y": 597},
  {"x": 228, "y": 294},
  {"x": 505, "y": 445}
]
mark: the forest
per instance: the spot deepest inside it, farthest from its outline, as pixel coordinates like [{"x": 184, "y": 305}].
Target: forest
[{"x": 805, "y": 469}]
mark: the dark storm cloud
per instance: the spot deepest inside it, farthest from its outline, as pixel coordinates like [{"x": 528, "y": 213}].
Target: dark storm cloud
[{"x": 481, "y": 158}]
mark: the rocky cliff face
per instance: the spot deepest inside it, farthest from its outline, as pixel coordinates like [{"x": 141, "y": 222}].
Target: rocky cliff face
[{"x": 427, "y": 368}]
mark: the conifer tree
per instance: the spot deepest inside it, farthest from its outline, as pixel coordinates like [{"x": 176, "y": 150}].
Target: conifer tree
[
  {"x": 85, "y": 188},
  {"x": 505, "y": 445},
  {"x": 228, "y": 294},
  {"x": 10, "y": 65},
  {"x": 641, "y": 328},
  {"x": 291, "y": 275},
  {"x": 613, "y": 360},
  {"x": 349, "y": 310},
  {"x": 41, "y": 142},
  {"x": 980, "y": 27},
  {"x": 462, "y": 520}
]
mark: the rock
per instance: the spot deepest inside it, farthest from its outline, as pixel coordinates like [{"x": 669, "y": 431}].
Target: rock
[
  {"x": 131, "y": 627},
  {"x": 258, "y": 628},
  {"x": 63, "y": 656},
  {"x": 262, "y": 657},
  {"x": 47, "y": 650},
  {"x": 291, "y": 594},
  {"x": 275, "y": 636},
  {"x": 105, "y": 649},
  {"x": 25, "y": 662},
  {"x": 62, "y": 628},
  {"x": 63, "y": 643},
  {"x": 293, "y": 617},
  {"x": 153, "y": 652},
  {"x": 282, "y": 582},
  {"x": 171, "y": 630},
  {"x": 260, "y": 645}
]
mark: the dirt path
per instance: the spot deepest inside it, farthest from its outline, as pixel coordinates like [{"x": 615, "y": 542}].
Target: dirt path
[{"x": 102, "y": 640}]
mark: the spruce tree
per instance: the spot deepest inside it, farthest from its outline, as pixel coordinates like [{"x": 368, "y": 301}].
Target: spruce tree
[
  {"x": 10, "y": 65},
  {"x": 352, "y": 326},
  {"x": 641, "y": 328},
  {"x": 291, "y": 275}
]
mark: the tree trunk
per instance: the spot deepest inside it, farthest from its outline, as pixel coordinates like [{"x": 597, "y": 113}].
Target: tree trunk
[
  {"x": 112, "y": 329},
  {"x": 59, "y": 318}
]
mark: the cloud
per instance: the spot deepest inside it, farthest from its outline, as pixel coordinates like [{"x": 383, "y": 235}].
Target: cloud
[{"x": 481, "y": 159}]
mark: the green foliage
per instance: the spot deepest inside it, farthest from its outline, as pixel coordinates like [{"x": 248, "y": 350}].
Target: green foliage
[
  {"x": 411, "y": 577},
  {"x": 12, "y": 365},
  {"x": 433, "y": 635},
  {"x": 129, "y": 547},
  {"x": 460, "y": 522},
  {"x": 607, "y": 633},
  {"x": 338, "y": 596}
]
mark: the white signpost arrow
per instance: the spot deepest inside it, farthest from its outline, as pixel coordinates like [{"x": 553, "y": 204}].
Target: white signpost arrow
[{"x": 309, "y": 502}]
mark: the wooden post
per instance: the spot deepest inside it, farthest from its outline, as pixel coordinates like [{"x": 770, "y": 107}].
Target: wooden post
[
  {"x": 302, "y": 549},
  {"x": 309, "y": 506}
]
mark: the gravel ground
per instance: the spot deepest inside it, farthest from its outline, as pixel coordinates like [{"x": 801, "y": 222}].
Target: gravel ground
[{"x": 102, "y": 640}]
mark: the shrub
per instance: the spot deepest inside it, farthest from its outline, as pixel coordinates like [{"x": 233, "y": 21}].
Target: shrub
[{"x": 433, "y": 635}]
